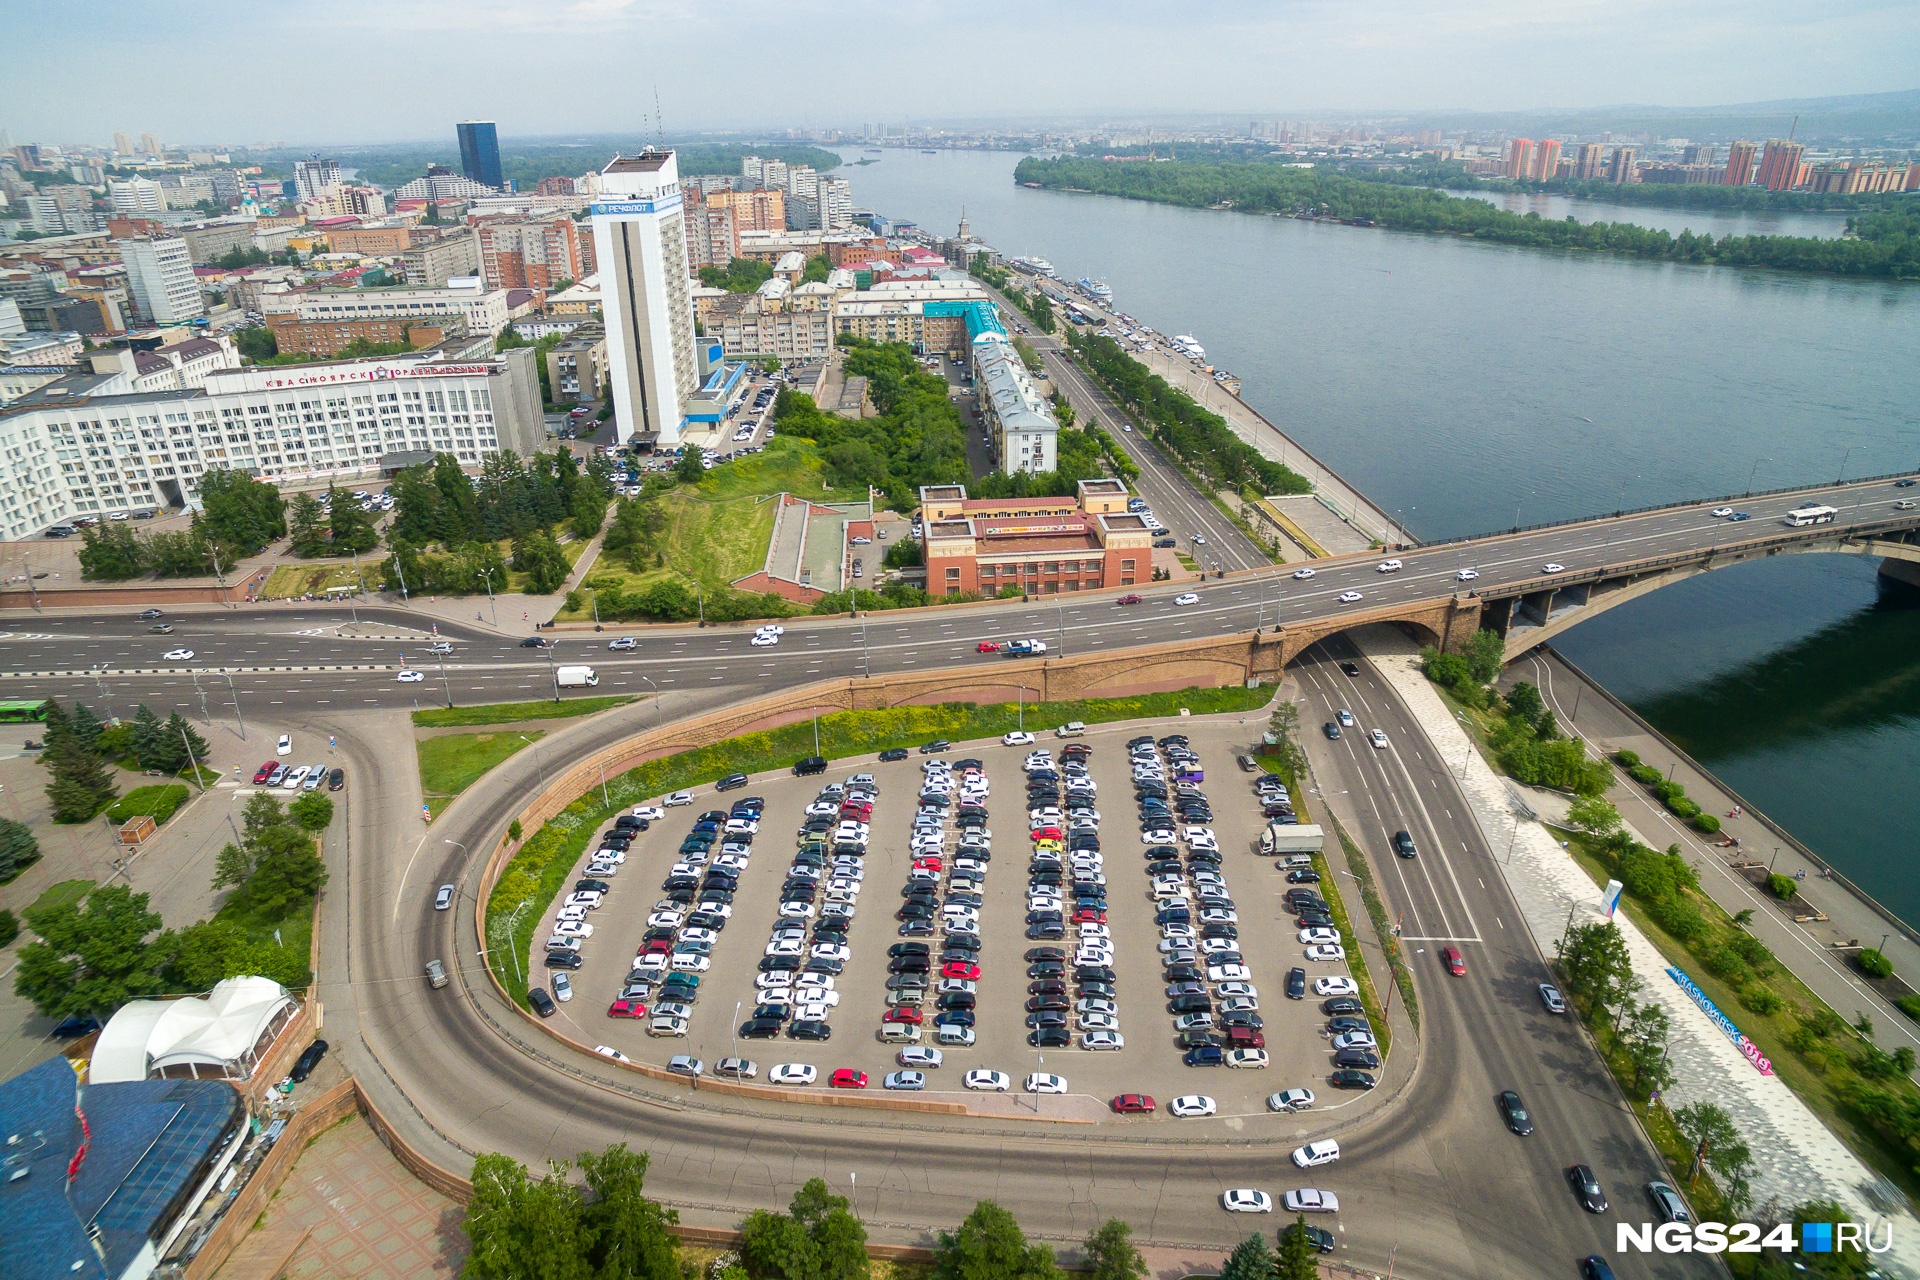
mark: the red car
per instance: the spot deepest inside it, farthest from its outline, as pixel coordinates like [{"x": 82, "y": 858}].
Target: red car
[
  {"x": 658, "y": 947},
  {"x": 905, "y": 1014},
  {"x": 848, "y": 1078},
  {"x": 986, "y": 646},
  {"x": 1456, "y": 963},
  {"x": 1133, "y": 599},
  {"x": 928, "y": 864},
  {"x": 1047, "y": 833},
  {"x": 960, "y": 969},
  {"x": 1089, "y": 915},
  {"x": 858, "y": 812},
  {"x": 626, "y": 1009},
  {"x": 264, "y": 772},
  {"x": 1132, "y": 1104},
  {"x": 1245, "y": 1038}
]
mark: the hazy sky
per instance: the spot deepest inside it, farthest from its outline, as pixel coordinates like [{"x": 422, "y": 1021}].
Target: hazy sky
[{"x": 380, "y": 70}]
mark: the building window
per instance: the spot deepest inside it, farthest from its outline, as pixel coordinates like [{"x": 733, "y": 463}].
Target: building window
[
  {"x": 1126, "y": 566},
  {"x": 953, "y": 575}
]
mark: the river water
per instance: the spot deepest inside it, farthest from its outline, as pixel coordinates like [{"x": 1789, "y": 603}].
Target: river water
[
  {"x": 1739, "y": 222},
  {"x": 1468, "y": 386}
]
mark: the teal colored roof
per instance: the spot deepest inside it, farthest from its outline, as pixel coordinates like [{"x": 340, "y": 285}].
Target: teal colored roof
[{"x": 982, "y": 317}]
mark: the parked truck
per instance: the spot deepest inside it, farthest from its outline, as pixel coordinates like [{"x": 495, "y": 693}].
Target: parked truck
[
  {"x": 1300, "y": 838},
  {"x": 574, "y": 677}
]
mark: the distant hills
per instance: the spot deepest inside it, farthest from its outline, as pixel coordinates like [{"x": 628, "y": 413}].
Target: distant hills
[{"x": 1886, "y": 118}]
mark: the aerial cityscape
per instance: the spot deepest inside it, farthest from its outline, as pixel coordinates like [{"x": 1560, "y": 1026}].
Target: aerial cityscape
[{"x": 1463, "y": 491}]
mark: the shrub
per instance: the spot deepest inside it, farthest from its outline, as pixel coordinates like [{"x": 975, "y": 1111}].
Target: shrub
[
  {"x": 1626, "y": 759},
  {"x": 1644, "y": 774},
  {"x": 159, "y": 802},
  {"x": 18, "y": 849},
  {"x": 1667, "y": 789},
  {"x": 1725, "y": 963},
  {"x": 1753, "y": 951},
  {"x": 1874, "y": 964},
  {"x": 1679, "y": 918},
  {"x": 1706, "y": 822},
  {"x": 1682, "y": 807},
  {"x": 1910, "y": 1005},
  {"x": 1782, "y": 887},
  {"x": 1761, "y": 998},
  {"x": 9, "y": 928}
]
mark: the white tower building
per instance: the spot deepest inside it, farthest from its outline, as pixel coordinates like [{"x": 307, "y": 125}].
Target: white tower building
[{"x": 639, "y": 239}]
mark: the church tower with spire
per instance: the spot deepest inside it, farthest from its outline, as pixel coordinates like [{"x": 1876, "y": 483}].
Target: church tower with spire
[{"x": 965, "y": 234}]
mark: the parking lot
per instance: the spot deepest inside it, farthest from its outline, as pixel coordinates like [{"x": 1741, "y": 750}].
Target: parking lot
[{"x": 1151, "y": 1060}]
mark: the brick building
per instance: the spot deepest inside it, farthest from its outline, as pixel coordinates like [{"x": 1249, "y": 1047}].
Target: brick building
[
  {"x": 1041, "y": 546},
  {"x": 328, "y": 337},
  {"x": 533, "y": 253}
]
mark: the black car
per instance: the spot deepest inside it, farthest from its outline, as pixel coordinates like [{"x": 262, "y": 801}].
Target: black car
[
  {"x": 1093, "y": 973},
  {"x": 533, "y": 642},
  {"x": 77, "y": 1025},
  {"x": 542, "y": 1002},
  {"x": 1038, "y": 1004},
  {"x": 1192, "y": 1039},
  {"x": 935, "y": 747},
  {"x": 1350, "y": 1079},
  {"x": 810, "y": 1031},
  {"x": 1351, "y": 668},
  {"x": 1345, "y": 1022},
  {"x": 908, "y": 964},
  {"x": 908, "y": 949},
  {"x": 915, "y": 929},
  {"x": 1514, "y": 1112},
  {"x": 893, "y": 753},
  {"x": 760, "y": 1028},
  {"x": 959, "y": 1000},
  {"x": 1190, "y": 1004},
  {"x": 1586, "y": 1188},
  {"x": 1319, "y": 1237},
  {"x": 1296, "y": 984},
  {"x": 1403, "y": 845},
  {"x": 593, "y": 886},
  {"x": 303, "y": 1065},
  {"x": 1046, "y": 969},
  {"x": 1331, "y": 729},
  {"x": 1047, "y": 987},
  {"x": 1341, "y": 1006},
  {"x": 336, "y": 779},
  {"x": 563, "y": 960},
  {"x": 732, "y": 782},
  {"x": 1303, "y": 875},
  {"x": 1049, "y": 1038},
  {"x": 1046, "y": 932},
  {"x": 1357, "y": 1058}
]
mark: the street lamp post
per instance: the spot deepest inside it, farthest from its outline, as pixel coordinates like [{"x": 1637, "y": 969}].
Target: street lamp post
[
  {"x": 656, "y": 700},
  {"x": 101, "y": 682},
  {"x": 487, "y": 574},
  {"x": 1751, "y": 472},
  {"x": 512, "y": 946},
  {"x": 1844, "y": 458},
  {"x": 235, "y": 693},
  {"x": 445, "y": 683},
  {"x": 195, "y": 764},
  {"x": 536, "y": 758}
]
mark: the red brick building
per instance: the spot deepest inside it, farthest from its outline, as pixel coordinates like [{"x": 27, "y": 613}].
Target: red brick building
[{"x": 1041, "y": 546}]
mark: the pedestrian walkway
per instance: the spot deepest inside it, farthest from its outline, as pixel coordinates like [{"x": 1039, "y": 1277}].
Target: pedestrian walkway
[{"x": 1796, "y": 1157}]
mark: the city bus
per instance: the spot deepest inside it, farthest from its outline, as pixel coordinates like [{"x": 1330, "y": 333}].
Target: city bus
[
  {"x": 1811, "y": 514},
  {"x": 17, "y": 709}
]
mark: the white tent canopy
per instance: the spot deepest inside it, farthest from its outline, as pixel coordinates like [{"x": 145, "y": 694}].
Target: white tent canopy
[{"x": 215, "y": 1036}]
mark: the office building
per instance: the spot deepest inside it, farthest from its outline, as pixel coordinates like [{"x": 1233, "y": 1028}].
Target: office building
[
  {"x": 1037, "y": 546},
  {"x": 312, "y": 178},
  {"x": 1780, "y": 164},
  {"x": 1546, "y": 164},
  {"x": 160, "y": 273},
  {"x": 484, "y": 310},
  {"x": 1520, "y": 159},
  {"x": 381, "y": 239},
  {"x": 136, "y": 195},
  {"x": 1739, "y": 164},
  {"x": 429, "y": 264},
  {"x": 1621, "y": 168},
  {"x": 209, "y": 240},
  {"x": 577, "y": 365},
  {"x": 532, "y": 253},
  {"x": 480, "y": 152},
  {"x": 640, "y": 245},
  {"x": 92, "y": 445}
]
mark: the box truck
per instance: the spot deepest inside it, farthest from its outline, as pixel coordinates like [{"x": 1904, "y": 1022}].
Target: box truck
[
  {"x": 1300, "y": 838},
  {"x": 574, "y": 677}
]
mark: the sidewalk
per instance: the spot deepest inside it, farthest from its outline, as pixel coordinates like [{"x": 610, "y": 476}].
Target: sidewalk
[
  {"x": 1796, "y": 1157},
  {"x": 1805, "y": 949}
]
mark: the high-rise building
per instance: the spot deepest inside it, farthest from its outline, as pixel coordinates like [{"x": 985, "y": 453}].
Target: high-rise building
[
  {"x": 1591, "y": 164},
  {"x": 1780, "y": 164},
  {"x": 1698, "y": 153},
  {"x": 150, "y": 145},
  {"x": 639, "y": 238},
  {"x": 160, "y": 270},
  {"x": 1547, "y": 166},
  {"x": 1739, "y": 164},
  {"x": 836, "y": 204},
  {"x": 136, "y": 195},
  {"x": 311, "y": 178},
  {"x": 1621, "y": 167},
  {"x": 712, "y": 240},
  {"x": 532, "y": 253},
  {"x": 755, "y": 210},
  {"x": 122, "y": 144},
  {"x": 1520, "y": 158},
  {"x": 480, "y": 152}
]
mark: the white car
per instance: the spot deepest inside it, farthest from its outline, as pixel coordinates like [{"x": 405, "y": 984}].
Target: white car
[
  {"x": 983, "y": 1080},
  {"x": 1466, "y": 575},
  {"x": 1017, "y": 739},
  {"x": 1309, "y": 1200},
  {"x": 1246, "y": 1200},
  {"x": 179, "y": 655},
  {"x": 678, "y": 798},
  {"x": 1551, "y": 567},
  {"x": 1355, "y": 1040},
  {"x": 762, "y": 641},
  {"x": 649, "y": 813},
  {"x": 1335, "y": 987},
  {"x": 1303, "y": 574},
  {"x": 1351, "y": 597},
  {"x": 1103, "y": 1040},
  {"x": 1723, "y": 512},
  {"x": 1191, "y": 1105},
  {"x": 285, "y": 745},
  {"x": 770, "y": 629},
  {"x": 1314, "y": 1154},
  {"x": 919, "y": 1056},
  {"x": 666, "y": 920},
  {"x": 1378, "y": 739},
  {"x": 667, "y": 1027},
  {"x": 1045, "y": 1082},
  {"x": 1249, "y": 1059},
  {"x": 411, "y": 677},
  {"x": 623, "y": 642},
  {"x": 1290, "y": 1100},
  {"x": 1228, "y": 974},
  {"x": 793, "y": 1073},
  {"x": 608, "y": 1051},
  {"x": 1314, "y": 937},
  {"x": 1389, "y": 566},
  {"x": 1326, "y": 951},
  {"x": 1186, "y": 599}
]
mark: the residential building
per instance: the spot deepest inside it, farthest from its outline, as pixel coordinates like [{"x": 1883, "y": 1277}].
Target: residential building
[
  {"x": 185, "y": 191},
  {"x": 535, "y": 327},
  {"x": 122, "y": 144},
  {"x": 753, "y": 210},
  {"x": 294, "y": 336},
  {"x": 532, "y": 253},
  {"x": 484, "y": 310},
  {"x": 150, "y": 146},
  {"x": 61, "y": 210},
  {"x": 1023, "y": 430},
  {"x": 1780, "y": 164},
  {"x": 1739, "y": 164},
  {"x": 389, "y": 239},
  {"x": 1038, "y": 546},
  {"x": 11, "y": 323},
  {"x": 209, "y": 240},
  {"x": 841, "y": 247},
  {"x": 91, "y": 445},
  {"x": 441, "y": 185},
  {"x": 836, "y": 204},
  {"x": 136, "y": 195},
  {"x": 579, "y": 299},
  {"x": 1621, "y": 168},
  {"x": 640, "y": 246},
  {"x": 429, "y": 264},
  {"x": 17, "y": 380},
  {"x": 1855, "y": 177},
  {"x": 1546, "y": 164},
  {"x": 711, "y": 238},
  {"x": 747, "y": 331},
  {"x": 160, "y": 273},
  {"x": 757, "y": 172},
  {"x": 577, "y": 365},
  {"x": 480, "y": 152},
  {"x": 38, "y": 348},
  {"x": 1520, "y": 159},
  {"x": 1701, "y": 153}
]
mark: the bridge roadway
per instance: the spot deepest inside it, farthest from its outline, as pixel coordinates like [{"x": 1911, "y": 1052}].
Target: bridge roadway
[{"x": 291, "y": 655}]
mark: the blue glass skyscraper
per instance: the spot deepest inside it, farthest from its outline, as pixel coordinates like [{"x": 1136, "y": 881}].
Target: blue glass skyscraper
[{"x": 480, "y": 152}]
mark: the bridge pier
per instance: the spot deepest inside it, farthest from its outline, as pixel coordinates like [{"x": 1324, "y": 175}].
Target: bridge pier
[
  {"x": 1903, "y": 571},
  {"x": 1464, "y": 617}
]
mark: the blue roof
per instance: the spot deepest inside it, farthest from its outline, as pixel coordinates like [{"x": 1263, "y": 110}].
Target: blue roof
[
  {"x": 152, "y": 1143},
  {"x": 982, "y": 317}
]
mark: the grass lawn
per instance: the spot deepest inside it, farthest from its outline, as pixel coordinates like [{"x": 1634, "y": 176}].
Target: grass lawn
[
  {"x": 509, "y": 712},
  {"x": 295, "y": 580},
  {"x": 719, "y": 530},
  {"x": 451, "y": 763},
  {"x": 158, "y": 802},
  {"x": 66, "y": 891}
]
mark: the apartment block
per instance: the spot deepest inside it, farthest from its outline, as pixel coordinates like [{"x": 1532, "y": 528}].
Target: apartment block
[
  {"x": 295, "y": 336},
  {"x": 429, "y": 264},
  {"x": 160, "y": 273},
  {"x": 577, "y": 365},
  {"x": 1739, "y": 171},
  {"x": 209, "y": 240},
  {"x": 484, "y": 310},
  {"x": 532, "y": 253},
  {"x": 1621, "y": 167},
  {"x": 1780, "y": 164},
  {"x": 748, "y": 330},
  {"x": 1520, "y": 158}
]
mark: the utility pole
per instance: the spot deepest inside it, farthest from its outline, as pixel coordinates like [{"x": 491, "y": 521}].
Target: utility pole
[
  {"x": 445, "y": 683},
  {"x": 656, "y": 700},
  {"x": 188, "y": 744},
  {"x": 700, "y": 598},
  {"x": 235, "y": 694},
  {"x": 31, "y": 589},
  {"x": 401, "y": 570},
  {"x": 487, "y": 574},
  {"x": 204, "y": 717}
]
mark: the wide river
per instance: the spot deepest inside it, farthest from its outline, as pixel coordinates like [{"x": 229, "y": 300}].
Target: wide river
[{"x": 1459, "y": 383}]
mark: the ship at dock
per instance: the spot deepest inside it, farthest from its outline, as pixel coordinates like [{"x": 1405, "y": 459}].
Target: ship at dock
[{"x": 1097, "y": 290}]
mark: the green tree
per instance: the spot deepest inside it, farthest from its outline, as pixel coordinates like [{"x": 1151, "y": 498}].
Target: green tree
[
  {"x": 257, "y": 343},
  {"x": 93, "y": 955},
  {"x": 990, "y": 1246},
  {"x": 150, "y": 740},
  {"x": 627, "y": 1233},
  {"x": 87, "y": 728},
  {"x": 350, "y": 525},
  {"x": 110, "y": 553},
  {"x": 1525, "y": 702},
  {"x": 1299, "y": 1256},
  {"x": 193, "y": 748},
  {"x": 1250, "y": 1260},
  {"x": 313, "y": 811},
  {"x": 1594, "y": 815},
  {"x": 539, "y": 557},
  {"x": 1284, "y": 725},
  {"x": 1726, "y": 1153},
  {"x": 818, "y": 1238},
  {"x": 240, "y": 512},
  {"x": 79, "y": 784},
  {"x": 9, "y": 928},
  {"x": 1644, "y": 1037},
  {"x": 1485, "y": 655},
  {"x": 18, "y": 849},
  {"x": 522, "y": 1229},
  {"x": 690, "y": 469},
  {"x": 262, "y": 811},
  {"x": 306, "y": 525},
  {"x": 233, "y": 865},
  {"x": 589, "y": 510},
  {"x": 819, "y": 267},
  {"x": 1594, "y": 959},
  {"x": 208, "y": 952},
  {"x": 1110, "y": 1254}
]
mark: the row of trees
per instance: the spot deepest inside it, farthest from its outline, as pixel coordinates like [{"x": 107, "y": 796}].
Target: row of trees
[
  {"x": 93, "y": 955},
  {"x": 1526, "y": 739},
  {"x": 447, "y": 525},
  {"x": 1887, "y": 244},
  {"x": 338, "y": 527},
  {"x": 80, "y": 781},
  {"x": 1198, "y": 437},
  {"x": 239, "y": 516}
]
